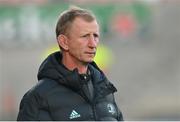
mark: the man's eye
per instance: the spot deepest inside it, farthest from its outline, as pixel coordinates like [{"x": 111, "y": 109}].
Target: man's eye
[
  {"x": 85, "y": 35},
  {"x": 96, "y": 35}
]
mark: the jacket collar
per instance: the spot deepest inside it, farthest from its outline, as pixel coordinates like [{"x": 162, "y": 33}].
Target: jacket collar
[{"x": 52, "y": 68}]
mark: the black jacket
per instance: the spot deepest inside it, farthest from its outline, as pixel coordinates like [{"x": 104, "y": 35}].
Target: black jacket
[{"x": 65, "y": 95}]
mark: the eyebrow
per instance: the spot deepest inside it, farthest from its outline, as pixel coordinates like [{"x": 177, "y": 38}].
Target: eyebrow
[{"x": 85, "y": 34}]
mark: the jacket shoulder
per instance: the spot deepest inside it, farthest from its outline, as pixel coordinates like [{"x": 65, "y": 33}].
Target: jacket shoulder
[
  {"x": 33, "y": 100},
  {"x": 44, "y": 86},
  {"x": 41, "y": 89}
]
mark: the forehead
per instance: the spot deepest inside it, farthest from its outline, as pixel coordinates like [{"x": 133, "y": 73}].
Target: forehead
[{"x": 81, "y": 25}]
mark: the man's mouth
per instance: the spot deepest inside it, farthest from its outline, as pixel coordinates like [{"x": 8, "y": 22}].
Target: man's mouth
[{"x": 91, "y": 53}]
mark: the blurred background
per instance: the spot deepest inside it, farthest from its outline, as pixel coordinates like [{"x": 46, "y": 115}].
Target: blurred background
[{"x": 139, "y": 52}]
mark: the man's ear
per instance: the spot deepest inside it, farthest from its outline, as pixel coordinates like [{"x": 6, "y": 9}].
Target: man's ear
[{"x": 63, "y": 42}]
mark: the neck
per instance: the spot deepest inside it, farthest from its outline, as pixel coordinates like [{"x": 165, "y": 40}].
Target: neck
[{"x": 71, "y": 64}]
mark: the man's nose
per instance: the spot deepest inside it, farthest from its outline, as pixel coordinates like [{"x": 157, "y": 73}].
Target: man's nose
[{"x": 93, "y": 41}]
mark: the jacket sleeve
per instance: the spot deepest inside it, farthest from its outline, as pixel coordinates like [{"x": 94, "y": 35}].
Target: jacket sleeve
[
  {"x": 120, "y": 116},
  {"x": 119, "y": 113},
  {"x": 29, "y": 108}
]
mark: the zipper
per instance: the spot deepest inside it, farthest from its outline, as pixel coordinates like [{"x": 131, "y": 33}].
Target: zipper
[
  {"x": 94, "y": 111},
  {"x": 91, "y": 103}
]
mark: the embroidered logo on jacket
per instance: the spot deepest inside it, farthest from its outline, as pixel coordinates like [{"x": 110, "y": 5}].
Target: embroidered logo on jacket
[
  {"x": 111, "y": 109},
  {"x": 74, "y": 114}
]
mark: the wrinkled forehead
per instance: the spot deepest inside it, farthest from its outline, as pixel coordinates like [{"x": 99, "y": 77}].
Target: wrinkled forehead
[{"x": 81, "y": 24}]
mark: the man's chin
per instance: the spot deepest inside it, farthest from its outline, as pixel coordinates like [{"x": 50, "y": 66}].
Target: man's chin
[{"x": 88, "y": 61}]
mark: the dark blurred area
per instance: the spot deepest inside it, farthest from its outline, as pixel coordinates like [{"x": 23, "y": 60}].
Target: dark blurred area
[{"x": 139, "y": 51}]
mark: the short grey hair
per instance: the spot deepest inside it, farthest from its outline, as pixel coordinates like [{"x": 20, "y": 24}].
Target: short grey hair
[{"x": 67, "y": 17}]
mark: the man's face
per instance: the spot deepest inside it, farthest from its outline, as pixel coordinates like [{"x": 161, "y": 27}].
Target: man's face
[{"x": 82, "y": 40}]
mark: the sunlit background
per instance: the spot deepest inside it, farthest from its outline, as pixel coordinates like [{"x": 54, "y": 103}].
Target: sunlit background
[{"x": 139, "y": 51}]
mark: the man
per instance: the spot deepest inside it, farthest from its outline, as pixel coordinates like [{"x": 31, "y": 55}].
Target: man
[{"x": 71, "y": 87}]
